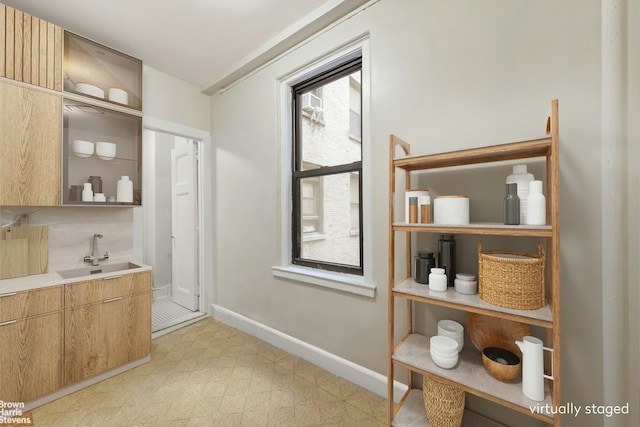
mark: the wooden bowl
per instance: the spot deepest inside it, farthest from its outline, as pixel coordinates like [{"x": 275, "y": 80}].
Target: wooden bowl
[
  {"x": 501, "y": 364},
  {"x": 485, "y": 331}
]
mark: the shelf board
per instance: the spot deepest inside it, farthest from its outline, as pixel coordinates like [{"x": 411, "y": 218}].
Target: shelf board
[
  {"x": 495, "y": 153},
  {"x": 469, "y": 374},
  {"x": 412, "y": 290},
  {"x": 482, "y": 228},
  {"x": 413, "y": 414}
]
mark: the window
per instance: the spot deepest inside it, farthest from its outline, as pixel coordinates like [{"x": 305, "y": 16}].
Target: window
[{"x": 327, "y": 168}]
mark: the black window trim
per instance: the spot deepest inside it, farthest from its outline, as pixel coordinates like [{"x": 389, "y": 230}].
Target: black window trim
[{"x": 335, "y": 70}]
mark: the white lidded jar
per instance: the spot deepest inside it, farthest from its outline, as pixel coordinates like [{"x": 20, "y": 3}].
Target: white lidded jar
[
  {"x": 87, "y": 193},
  {"x": 437, "y": 280},
  {"x": 536, "y": 204},
  {"x": 521, "y": 177},
  {"x": 125, "y": 190}
]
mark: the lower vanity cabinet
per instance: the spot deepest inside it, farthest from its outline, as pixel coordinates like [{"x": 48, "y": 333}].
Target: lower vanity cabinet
[
  {"x": 107, "y": 324},
  {"x": 31, "y": 333}
]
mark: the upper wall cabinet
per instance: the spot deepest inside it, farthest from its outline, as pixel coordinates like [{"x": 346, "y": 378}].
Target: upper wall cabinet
[
  {"x": 96, "y": 71},
  {"x": 29, "y": 146},
  {"x": 31, "y": 49}
]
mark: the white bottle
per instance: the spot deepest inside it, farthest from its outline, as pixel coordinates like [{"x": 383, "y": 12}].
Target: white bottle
[
  {"x": 522, "y": 178},
  {"x": 125, "y": 190},
  {"x": 87, "y": 193},
  {"x": 536, "y": 204}
]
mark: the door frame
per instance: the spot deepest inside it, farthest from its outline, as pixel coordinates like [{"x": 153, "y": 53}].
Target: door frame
[{"x": 201, "y": 139}]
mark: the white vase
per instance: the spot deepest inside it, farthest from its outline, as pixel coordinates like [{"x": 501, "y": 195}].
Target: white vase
[
  {"x": 87, "y": 193},
  {"x": 125, "y": 190},
  {"x": 536, "y": 205}
]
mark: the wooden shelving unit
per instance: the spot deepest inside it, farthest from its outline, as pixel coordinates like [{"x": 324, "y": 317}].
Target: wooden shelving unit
[{"x": 412, "y": 350}]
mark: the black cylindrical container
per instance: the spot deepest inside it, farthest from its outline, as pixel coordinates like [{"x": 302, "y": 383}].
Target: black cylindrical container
[
  {"x": 96, "y": 184},
  {"x": 447, "y": 257},
  {"x": 424, "y": 262}
]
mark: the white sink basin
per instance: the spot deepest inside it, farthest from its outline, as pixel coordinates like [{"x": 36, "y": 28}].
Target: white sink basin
[{"x": 98, "y": 269}]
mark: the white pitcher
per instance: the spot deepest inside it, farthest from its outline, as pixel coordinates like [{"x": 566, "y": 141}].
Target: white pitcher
[{"x": 533, "y": 367}]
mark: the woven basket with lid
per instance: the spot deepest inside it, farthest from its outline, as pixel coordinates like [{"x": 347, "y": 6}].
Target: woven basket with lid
[{"x": 511, "y": 279}]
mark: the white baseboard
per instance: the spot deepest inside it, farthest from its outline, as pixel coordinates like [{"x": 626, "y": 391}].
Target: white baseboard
[{"x": 357, "y": 374}]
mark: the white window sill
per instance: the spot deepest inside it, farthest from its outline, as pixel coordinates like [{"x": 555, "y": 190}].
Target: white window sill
[{"x": 328, "y": 279}]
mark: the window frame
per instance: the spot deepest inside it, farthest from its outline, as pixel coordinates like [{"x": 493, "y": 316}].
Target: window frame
[
  {"x": 341, "y": 68},
  {"x": 283, "y": 269}
]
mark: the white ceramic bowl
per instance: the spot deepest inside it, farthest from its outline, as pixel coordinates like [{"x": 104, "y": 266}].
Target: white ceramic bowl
[
  {"x": 445, "y": 346},
  {"x": 89, "y": 89},
  {"x": 118, "y": 95},
  {"x": 450, "y": 328},
  {"x": 444, "y": 362},
  {"x": 106, "y": 150},
  {"x": 82, "y": 148}
]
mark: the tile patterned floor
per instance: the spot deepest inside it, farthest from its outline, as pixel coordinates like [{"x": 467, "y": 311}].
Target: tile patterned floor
[{"x": 211, "y": 374}]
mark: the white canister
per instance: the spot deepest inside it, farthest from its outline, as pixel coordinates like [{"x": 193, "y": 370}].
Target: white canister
[
  {"x": 536, "y": 204},
  {"x": 452, "y": 210},
  {"x": 125, "y": 190},
  {"x": 99, "y": 197},
  {"x": 466, "y": 284},
  {"x": 407, "y": 196},
  {"x": 87, "y": 193},
  {"x": 437, "y": 280}
]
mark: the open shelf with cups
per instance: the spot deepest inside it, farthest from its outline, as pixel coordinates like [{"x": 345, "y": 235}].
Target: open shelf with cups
[
  {"x": 412, "y": 350},
  {"x": 100, "y": 73},
  {"x": 102, "y": 125},
  {"x": 100, "y": 146}
]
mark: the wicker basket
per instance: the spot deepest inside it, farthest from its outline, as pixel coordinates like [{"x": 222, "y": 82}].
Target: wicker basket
[
  {"x": 444, "y": 403},
  {"x": 511, "y": 279}
]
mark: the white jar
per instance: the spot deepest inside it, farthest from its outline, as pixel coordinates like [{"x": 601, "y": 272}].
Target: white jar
[
  {"x": 466, "y": 284},
  {"x": 536, "y": 204},
  {"x": 87, "y": 193},
  {"x": 437, "y": 280},
  {"x": 125, "y": 190},
  {"x": 99, "y": 197},
  {"x": 522, "y": 178}
]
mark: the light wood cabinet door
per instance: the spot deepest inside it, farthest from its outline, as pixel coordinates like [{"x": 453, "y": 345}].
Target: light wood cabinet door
[
  {"x": 30, "y": 144},
  {"x": 102, "y": 336},
  {"x": 31, "y": 357}
]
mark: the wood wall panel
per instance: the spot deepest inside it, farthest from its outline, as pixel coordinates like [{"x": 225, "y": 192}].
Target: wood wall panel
[{"x": 31, "y": 49}]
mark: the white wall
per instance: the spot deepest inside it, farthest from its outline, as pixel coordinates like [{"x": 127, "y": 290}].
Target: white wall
[{"x": 445, "y": 75}]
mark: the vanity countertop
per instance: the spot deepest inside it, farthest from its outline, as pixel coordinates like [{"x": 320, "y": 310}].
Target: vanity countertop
[{"x": 36, "y": 281}]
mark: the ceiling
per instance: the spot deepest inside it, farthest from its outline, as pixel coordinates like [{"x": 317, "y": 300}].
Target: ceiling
[{"x": 208, "y": 43}]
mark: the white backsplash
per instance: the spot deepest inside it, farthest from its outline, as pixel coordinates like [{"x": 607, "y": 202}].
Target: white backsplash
[{"x": 71, "y": 230}]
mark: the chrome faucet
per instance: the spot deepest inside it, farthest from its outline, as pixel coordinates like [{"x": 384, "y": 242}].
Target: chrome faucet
[{"x": 94, "y": 258}]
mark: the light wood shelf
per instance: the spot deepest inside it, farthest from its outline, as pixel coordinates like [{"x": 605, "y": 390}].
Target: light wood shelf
[
  {"x": 481, "y": 228},
  {"x": 412, "y": 350},
  {"x": 412, "y": 290},
  {"x": 469, "y": 374},
  {"x": 412, "y": 414}
]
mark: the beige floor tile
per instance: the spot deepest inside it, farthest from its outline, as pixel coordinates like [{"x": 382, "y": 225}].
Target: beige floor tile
[{"x": 210, "y": 374}]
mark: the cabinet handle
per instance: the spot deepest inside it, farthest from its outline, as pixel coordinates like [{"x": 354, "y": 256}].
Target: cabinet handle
[
  {"x": 112, "y": 299},
  {"x": 8, "y": 295},
  {"x": 112, "y": 277},
  {"x": 8, "y": 323}
]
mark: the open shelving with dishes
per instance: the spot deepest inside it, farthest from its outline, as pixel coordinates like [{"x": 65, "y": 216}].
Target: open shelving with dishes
[
  {"x": 411, "y": 351},
  {"x": 102, "y": 123}
]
